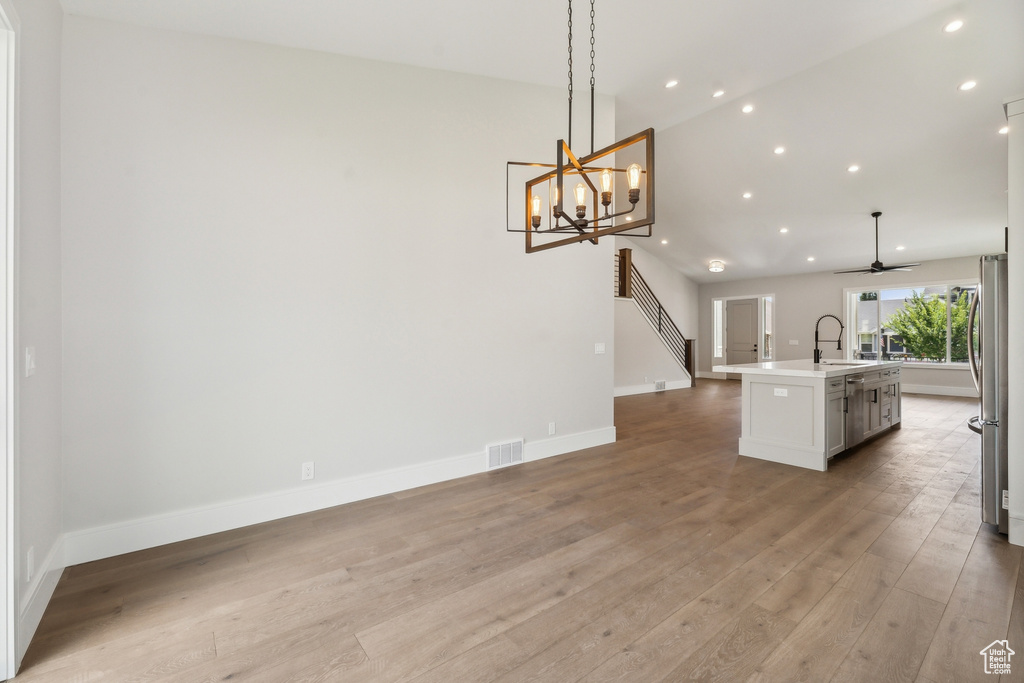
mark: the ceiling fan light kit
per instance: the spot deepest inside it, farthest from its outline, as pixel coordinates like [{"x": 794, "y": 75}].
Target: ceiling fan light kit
[
  {"x": 599, "y": 182},
  {"x": 877, "y": 266}
]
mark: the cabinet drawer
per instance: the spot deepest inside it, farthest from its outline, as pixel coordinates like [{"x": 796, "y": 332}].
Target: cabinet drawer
[{"x": 837, "y": 384}]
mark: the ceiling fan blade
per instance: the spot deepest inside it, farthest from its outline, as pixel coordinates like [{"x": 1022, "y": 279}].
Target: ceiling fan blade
[{"x": 877, "y": 267}]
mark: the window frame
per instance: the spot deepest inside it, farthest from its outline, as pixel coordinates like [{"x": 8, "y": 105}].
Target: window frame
[{"x": 853, "y": 337}]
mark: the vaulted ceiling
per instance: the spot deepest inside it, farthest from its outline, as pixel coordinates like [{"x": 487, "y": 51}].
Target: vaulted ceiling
[{"x": 834, "y": 83}]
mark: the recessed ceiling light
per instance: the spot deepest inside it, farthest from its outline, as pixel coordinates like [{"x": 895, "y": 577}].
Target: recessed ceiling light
[
  {"x": 967, "y": 85},
  {"x": 1004, "y": 130},
  {"x": 810, "y": 258},
  {"x": 747, "y": 108},
  {"x": 853, "y": 168},
  {"x": 716, "y": 266},
  {"x": 664, "y": 241},
  {"x": 900, "y": 248},
  {"x": 747, "y": 195},
  {"x": 780, "y": 150},
  {"x": 671, "y": 84},
  {"x": 718, "y": 93},
  {"x": 783, "y": 230},
  {"x": 953, "y": 26}
]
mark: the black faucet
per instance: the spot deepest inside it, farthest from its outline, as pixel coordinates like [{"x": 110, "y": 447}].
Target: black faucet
[{"x": 838, "y": 341}]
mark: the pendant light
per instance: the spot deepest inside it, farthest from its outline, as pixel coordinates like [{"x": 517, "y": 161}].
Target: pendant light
[{"x": 596, "y": 184}]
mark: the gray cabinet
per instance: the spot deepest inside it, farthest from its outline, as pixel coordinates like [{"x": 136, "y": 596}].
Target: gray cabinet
[
  {"x": 874, "y": 395},
  {"x": 877, "y": 405},
  {"x": 895, "y": 397}
]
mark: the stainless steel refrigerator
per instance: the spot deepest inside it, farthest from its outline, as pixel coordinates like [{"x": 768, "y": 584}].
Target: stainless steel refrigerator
[{"x": 988, "y": 361}]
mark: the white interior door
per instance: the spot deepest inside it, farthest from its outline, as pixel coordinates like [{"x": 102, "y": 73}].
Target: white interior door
[{"x": 741, "y": 331}]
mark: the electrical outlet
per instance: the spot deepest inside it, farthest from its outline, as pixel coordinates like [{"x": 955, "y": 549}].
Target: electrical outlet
[
  {"x": 551, "y": 428},
  {"x": 599, "y": 348},
  {"x": 307, "y": 470},
  {"x": 781, "y": 392},
  {"x": 794, "y": 342},
  {"x": 30, "y": 361},
  {"x": 1006, "y": 500},
  {"x": 30, "y": 564}
]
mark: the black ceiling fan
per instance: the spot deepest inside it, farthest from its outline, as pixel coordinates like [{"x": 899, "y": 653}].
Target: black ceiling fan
[{"x": 877, "y": 266}]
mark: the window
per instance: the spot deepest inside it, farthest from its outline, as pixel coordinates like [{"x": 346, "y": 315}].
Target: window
[
  {"x": 718, "y": 325},
  {"x": 916, "y": 324}
]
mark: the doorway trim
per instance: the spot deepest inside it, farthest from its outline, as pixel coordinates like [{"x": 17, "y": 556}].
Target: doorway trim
[
  {"x": 719, "y": 333},
  {"x": 10, "y": 31}
]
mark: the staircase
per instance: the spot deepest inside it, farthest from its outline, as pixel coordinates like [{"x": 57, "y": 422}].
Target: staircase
[{"x": 630, "y": 284}]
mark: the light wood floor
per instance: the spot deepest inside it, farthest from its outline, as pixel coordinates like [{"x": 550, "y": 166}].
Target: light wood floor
[{"x": 663, "y": 557}]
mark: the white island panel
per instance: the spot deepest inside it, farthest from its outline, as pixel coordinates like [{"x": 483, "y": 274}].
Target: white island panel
[
  {"x": 786, "y": 414},
  {"x": 784, "y": 411}
]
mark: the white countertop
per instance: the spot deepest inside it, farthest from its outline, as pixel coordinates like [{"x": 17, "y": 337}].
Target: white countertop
[{"x": 808, "y": 368}]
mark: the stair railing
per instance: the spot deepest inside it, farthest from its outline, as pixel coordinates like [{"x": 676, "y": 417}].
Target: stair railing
[{"x": 630, "y": 284}]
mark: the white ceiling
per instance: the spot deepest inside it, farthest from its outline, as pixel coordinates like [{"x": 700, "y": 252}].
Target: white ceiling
[{"x": 835, "y": 82}]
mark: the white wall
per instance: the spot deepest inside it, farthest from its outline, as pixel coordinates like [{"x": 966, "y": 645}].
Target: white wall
[
  {"x": 37, "y": 287},
  {"x": 1015, "y": 400},
  {"x": 273, "y": 256},
  {"x": 801, "y": 299},
  {"x": 640, "y": 356}
]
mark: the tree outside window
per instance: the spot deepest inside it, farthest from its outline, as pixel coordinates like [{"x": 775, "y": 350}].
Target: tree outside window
[{"x": 920, "y": 324}]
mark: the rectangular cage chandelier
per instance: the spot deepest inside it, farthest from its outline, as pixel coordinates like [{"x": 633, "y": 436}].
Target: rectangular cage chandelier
[{"x": 605, "y": 187}]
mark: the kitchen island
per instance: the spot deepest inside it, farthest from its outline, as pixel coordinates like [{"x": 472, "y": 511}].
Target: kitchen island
[{"x": 802, "y": 413}]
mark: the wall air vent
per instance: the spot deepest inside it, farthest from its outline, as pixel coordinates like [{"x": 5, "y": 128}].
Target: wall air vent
[
  {"x": 659, "y": 385},
  {"x": 504, "y": 454}
]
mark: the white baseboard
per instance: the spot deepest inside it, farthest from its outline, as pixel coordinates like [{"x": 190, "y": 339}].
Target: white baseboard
[
  {"x": 936, "y": 390},
  {"x": 38, "y": 595},
  {"x": 649, "y": 388},
  {"x": 96, "y": 543},
  {"x": 546, "y": 448},
  {"x": 707, "y": 374}
]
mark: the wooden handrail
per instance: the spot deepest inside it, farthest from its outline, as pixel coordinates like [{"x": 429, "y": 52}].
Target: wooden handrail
[{"x": 625, "y": 272}]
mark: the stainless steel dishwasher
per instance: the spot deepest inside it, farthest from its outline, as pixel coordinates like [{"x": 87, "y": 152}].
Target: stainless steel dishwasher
[{"x": 854, "y": 410}]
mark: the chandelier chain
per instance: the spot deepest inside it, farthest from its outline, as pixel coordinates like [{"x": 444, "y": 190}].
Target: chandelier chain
[
  {"x": 570, "y": 74},
  {"x": 591, "y": 76},
  {"x": 591, "y": 44}
]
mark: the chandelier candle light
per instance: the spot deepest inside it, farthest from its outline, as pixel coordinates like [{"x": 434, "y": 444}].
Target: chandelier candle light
[{"x": 591, "y": 171}]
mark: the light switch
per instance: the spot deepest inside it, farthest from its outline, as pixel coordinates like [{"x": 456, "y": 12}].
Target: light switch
[
  {"x": 30, "y": 361},
  {"x": 599, "y": 347}
]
